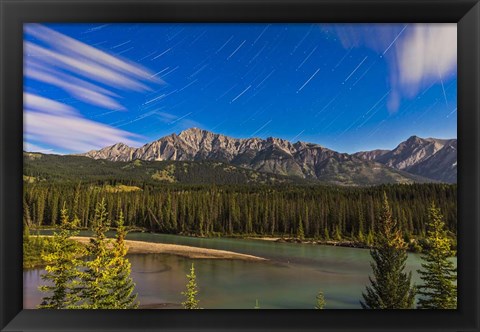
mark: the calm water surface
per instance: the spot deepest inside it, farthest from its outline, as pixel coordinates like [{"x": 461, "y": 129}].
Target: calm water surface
[{"x": 290, "y": 279}]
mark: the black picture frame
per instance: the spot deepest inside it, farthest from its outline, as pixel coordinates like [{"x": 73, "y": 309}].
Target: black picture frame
[{"x": 15, "y": 13}]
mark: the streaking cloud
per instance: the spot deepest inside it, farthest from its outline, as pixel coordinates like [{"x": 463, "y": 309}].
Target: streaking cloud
[
  {"x": 427, "y": 54},
  {"x": 75, "y": 49},
  {"x": 88, "y": 76},
  {"x": 58, "y": 125},
  {"x": 417, "y": 54},
  {"x": 82, "y": 70}
]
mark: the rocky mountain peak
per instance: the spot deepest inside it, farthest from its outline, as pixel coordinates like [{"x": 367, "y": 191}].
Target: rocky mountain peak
[
  {"x": 194, "y": 131},
  {"x": 414, "y": 139},
  {"x": 115, "y": 152},
  {"x": 280, "y": 156},
  {"x": 120, "y": 146},
  {"x": 420, "y": 156}
]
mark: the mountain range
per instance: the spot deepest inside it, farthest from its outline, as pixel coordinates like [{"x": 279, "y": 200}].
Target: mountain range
[{"x": 414, "y": 160}]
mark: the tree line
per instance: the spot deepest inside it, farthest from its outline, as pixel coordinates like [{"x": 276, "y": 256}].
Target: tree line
[{"x": 321, "y": 212}]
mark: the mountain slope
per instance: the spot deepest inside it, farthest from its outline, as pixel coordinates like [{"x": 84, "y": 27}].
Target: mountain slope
[
  {"x": 441, "y": 165},
  {"x": 272, "y": 155},
  {"x": 45, "y": 167},
  {"x": 427, "y": 157},
  {"x": 370, "y": 155}
]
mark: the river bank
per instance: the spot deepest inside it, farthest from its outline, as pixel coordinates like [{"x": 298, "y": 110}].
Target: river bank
[
  {"x": 413, "y": 246},
  {"x": 347, "y": 244},
  {"x": 143, "y": 247}
]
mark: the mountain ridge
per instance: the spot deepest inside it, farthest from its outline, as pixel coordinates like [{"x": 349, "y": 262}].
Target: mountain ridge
[
  {"x": 433, "y": 158},
  {"x": 280, "y": 156}
]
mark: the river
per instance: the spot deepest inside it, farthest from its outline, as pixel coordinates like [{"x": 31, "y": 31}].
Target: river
[{"x": 290, "y": 279}]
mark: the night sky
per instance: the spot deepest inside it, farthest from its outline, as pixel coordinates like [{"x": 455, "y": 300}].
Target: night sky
[{"x": 347, "y": 87}]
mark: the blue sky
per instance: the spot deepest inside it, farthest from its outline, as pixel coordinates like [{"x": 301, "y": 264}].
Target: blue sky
[{"x": 348, "y": 87}]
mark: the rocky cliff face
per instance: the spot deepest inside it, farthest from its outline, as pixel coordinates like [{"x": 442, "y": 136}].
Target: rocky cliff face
[
  {"x": 370, "y": 155},
  {"x": 441, "y": 165},
  {"x": 278, "y": 156},
  {"x": 117, "y": 152}
]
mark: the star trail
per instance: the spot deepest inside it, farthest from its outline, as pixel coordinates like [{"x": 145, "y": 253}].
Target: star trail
[{"x": 343, "y": 86}]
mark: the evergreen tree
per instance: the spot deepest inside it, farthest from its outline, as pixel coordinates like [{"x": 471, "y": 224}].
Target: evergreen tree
[
  {"x": 390, "y": 286},
  {"x": 439, "y": 275},
  {"x": 320, "y": 303},
  {"x": 75, "y": 222},
  {"x": 300, "y": 232},
  {"x": 361, "y": 225},
  {"x": 97, "y": 278},
  {"x": 62, "y": 269},
  {"x": 370, "y": 238},
  {"x": 27, "y": 221},
  {"x": 26, "y": 233},
  {"x": 122, "y": 285},
  {"x": 337, "y": 235},
  {"x": 40, "y": 207},
  {"x": 191, "y": 301},
  {"x": 326, "y": 234}
]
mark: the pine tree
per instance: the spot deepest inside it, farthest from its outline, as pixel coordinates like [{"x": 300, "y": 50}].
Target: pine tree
[
  {"x": 191, "y": 301},
  {"x": 320, "y": 301},
  {"x": 249, "y": 222},
  {"x": 361, "y": 225},
  {"x": 439, "y": 275},
  {"x": 122, "y": 285},
  {"x": 337, "y": 235},
  {"x": 390, "y": 287},
  {"x": 26, "y": 214},
  {"x": 300, "y": 232},
  {"x": 97, "y": 277},
  {"x": 200, "y": 224},
  {"x": 370, "y": 238},
  {"x": 62, "y": 269},
  {"x": 40, "y": 207},
  {"x": 26, "y": 233},
  {"x": 76, "y": 222},
  {"x": 326, "y": 234}
]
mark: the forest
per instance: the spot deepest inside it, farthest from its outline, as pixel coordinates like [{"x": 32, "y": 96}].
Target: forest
[{"x": 316, "y": 211}]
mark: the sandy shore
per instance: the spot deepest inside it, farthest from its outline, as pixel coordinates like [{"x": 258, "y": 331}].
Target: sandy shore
[
  {"x": 271, "y": 239},
  {"x": 141, "y": 247}
]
